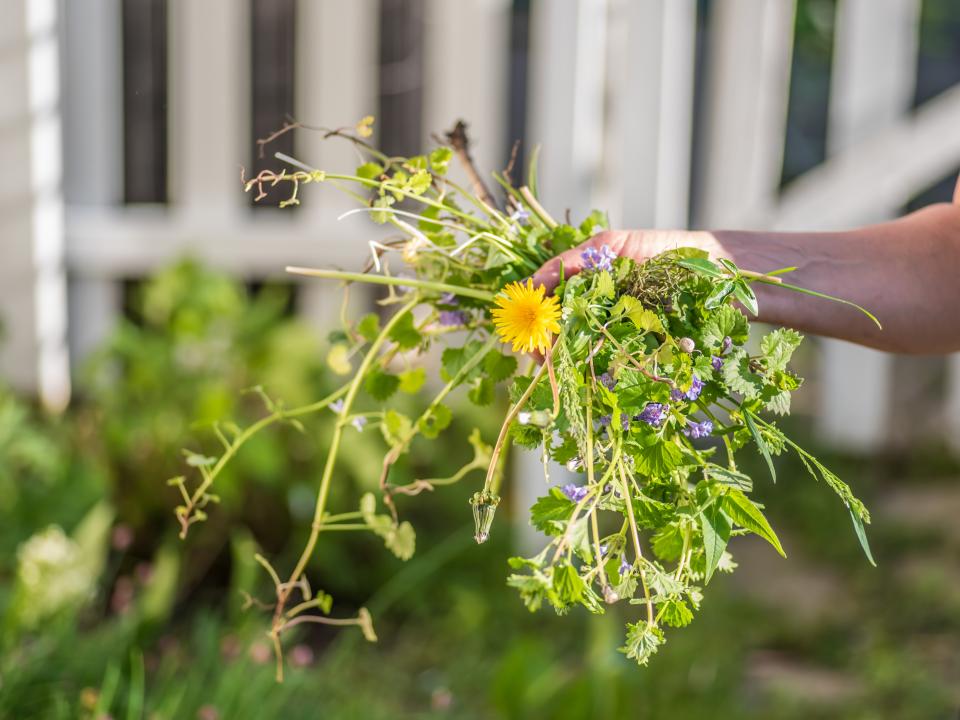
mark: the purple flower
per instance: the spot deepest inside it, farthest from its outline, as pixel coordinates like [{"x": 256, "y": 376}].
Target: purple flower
[
  {"x": 608, "y": 382},
  {"x": 717, "y": 363},
  {"x": 654, "y": 414},
  {"x": 725, "y": 345},
  {"x": 337, "y": 406},
  {"x": 448, "y": 298},
  {"x": 453, "y": 318},
  {"x": 604, "y": 420},
  {"x": 696, "y": 387},
  {"x": 594, "y": 259},
  {"x": 695, "y": 430},
  {"x": 358, "y": 422},
  {"x": 625, "y": 567},
  {"x": 520, "y": 215},
  {"x": 603, "y": 550},
  {"x": 574, "y": 493},
  {"x": 625, "y": 422}
]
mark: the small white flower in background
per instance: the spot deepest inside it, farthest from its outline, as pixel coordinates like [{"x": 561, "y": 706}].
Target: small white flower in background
[
  {"x": 523, "y": 418},
  {"x": 574, "y": 465},
  {"x": 358, "y": 422},
  {"x": 337, "y": 406},
  {"x": 51, "y": 575}
]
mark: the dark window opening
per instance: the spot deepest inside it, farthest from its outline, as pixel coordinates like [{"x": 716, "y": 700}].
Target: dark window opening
[
  {"x": 400, "y": 121},
  {"x": 272, "y": 53},
  {"x": 809, "y": 103},
  {"x": 938, "y": 61},
  {"x": 519, "y": 69},
  {"x": 144, "y": 32}
]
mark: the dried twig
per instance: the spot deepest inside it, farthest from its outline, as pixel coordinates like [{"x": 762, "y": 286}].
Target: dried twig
[{"x": 457, "y": 137}]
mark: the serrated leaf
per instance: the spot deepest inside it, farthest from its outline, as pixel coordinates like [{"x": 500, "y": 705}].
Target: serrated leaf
[
  {"x": 643, "y": 641},
  {"x": 550, "y": 513},
  {"x": 658, "y": 457},
  {"x": 369, "y": 326},
  {"x": 778, "y": 347},
  {"x": 675, "y": 613},
  {"x": 440, "y": 160},
  {"x": 381, "y": 385},
  {"x": 667, "y": 543},
  {"x": 726, "y": 321},
  {"x": 744, "y": 512},
  {"x": 716, "y": 535},
  {"x": 402, "y": 541},
  {"x": 380, "y": 214},
  {"x": 498, "y": 366},
  {"x": 739, "y": 377},
  {"x": 420, "y": 182},
  {"x": 404, "y": 334}
]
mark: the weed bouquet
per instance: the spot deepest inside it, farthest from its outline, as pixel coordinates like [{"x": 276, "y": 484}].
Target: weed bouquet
[{"x": 637, "y": 376}]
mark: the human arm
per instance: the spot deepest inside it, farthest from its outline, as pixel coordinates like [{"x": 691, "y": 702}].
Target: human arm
[{"x": 906, "y": 272}]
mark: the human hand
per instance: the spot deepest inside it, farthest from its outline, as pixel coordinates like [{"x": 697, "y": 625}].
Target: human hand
[{"x": 639, "y": 245}]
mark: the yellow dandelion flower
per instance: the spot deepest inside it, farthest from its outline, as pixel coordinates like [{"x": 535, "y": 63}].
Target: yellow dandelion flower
[{"x": 525, "y": 317}]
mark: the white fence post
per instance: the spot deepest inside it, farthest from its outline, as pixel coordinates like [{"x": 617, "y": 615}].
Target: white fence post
[
  {"x": 93, "y": 157},
  {"x": 651, "y": 76},
  {"x": 872, "y": 86},
  {"x": 33, "y": 354},
  {"x": 747, "y": 91}
]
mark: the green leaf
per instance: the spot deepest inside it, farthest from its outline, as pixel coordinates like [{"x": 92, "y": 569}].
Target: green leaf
[
  {"x": 643, "y": 641},
  {"x": 758, "y": 439},
  {"x": 667, "y": 542},
  {"x": 338, "y": 359},
  {"x": 412, "y": 380},
  {"x": 730, "y": 478},
  {"x": 434, "y": 422},
  {"x": 701, "y": 266},
  {"x": 498, "y": 366},
  {"x": 381, "y": 385},
  {"x": 744, "y": 512},
  {"x": 716, "y": 535},
  {"x": 658, "y": 457},
  {"x": 369, "y": 327},
  {"x": 453, "y": 360},
  {"x": 369, "y": 171},
  {"x": 726, "y": 321},
  {"x": 739, "y": 377},
  {"x": 395, "y": 427},
  {"x": 380, "y": 216},
  {"x": 603, "y": 284},
  {"x": 404, "y": 334},
  {"x": 420, "y": 182},
  {"x": 551, "y": 512},
  {"x": 675, "y": 613},
  {"x": 440, "y": 160},
  {"x": 720, "y": 293},
  {"x": 401, "y": 540},
  {"x": 861, "y": 536},
  {"x": 777, "y": 347},
  {"x": 744, "y": 293},
  {"x": 482, "y": 393}
]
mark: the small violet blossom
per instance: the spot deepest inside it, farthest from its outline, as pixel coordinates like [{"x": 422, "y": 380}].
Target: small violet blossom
[
  {"x": 608, "y": 382},
  {"x": 625, "y": 566},
  {"x": 453, "y": 318},
  {"x": 654, "y": 414},
  {"x": 695, "y": 430},
  {"x": 448, "y": 298},
  {"x": 574, "y": 493},
  {"x": 603, "y": 420},
  {"x": 603, "y": 550},
  {"x": 594, "y": 259},
  {"x": 717, "y": 363},
  {"x": 696, "y": 387},
  {"x": 359, "y": 422},
  {"x": 337, "y": 406},
  {"x": 520, "y": 215},
  {"x": 726, "y": 345},
  {"x": 625, "y": 422}
]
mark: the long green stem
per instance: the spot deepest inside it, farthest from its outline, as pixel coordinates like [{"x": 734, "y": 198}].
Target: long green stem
[
  {"x": 334, "y": 450},
  {"x": 389, "y": 280},
  {"x": 628, "y": 499}
]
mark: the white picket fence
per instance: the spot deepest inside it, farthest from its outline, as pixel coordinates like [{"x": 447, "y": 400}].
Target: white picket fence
[{"x": 611, "y": 100}]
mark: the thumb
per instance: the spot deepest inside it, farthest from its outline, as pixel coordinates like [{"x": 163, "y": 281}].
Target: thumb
[{"x": 570, "y": 261}]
